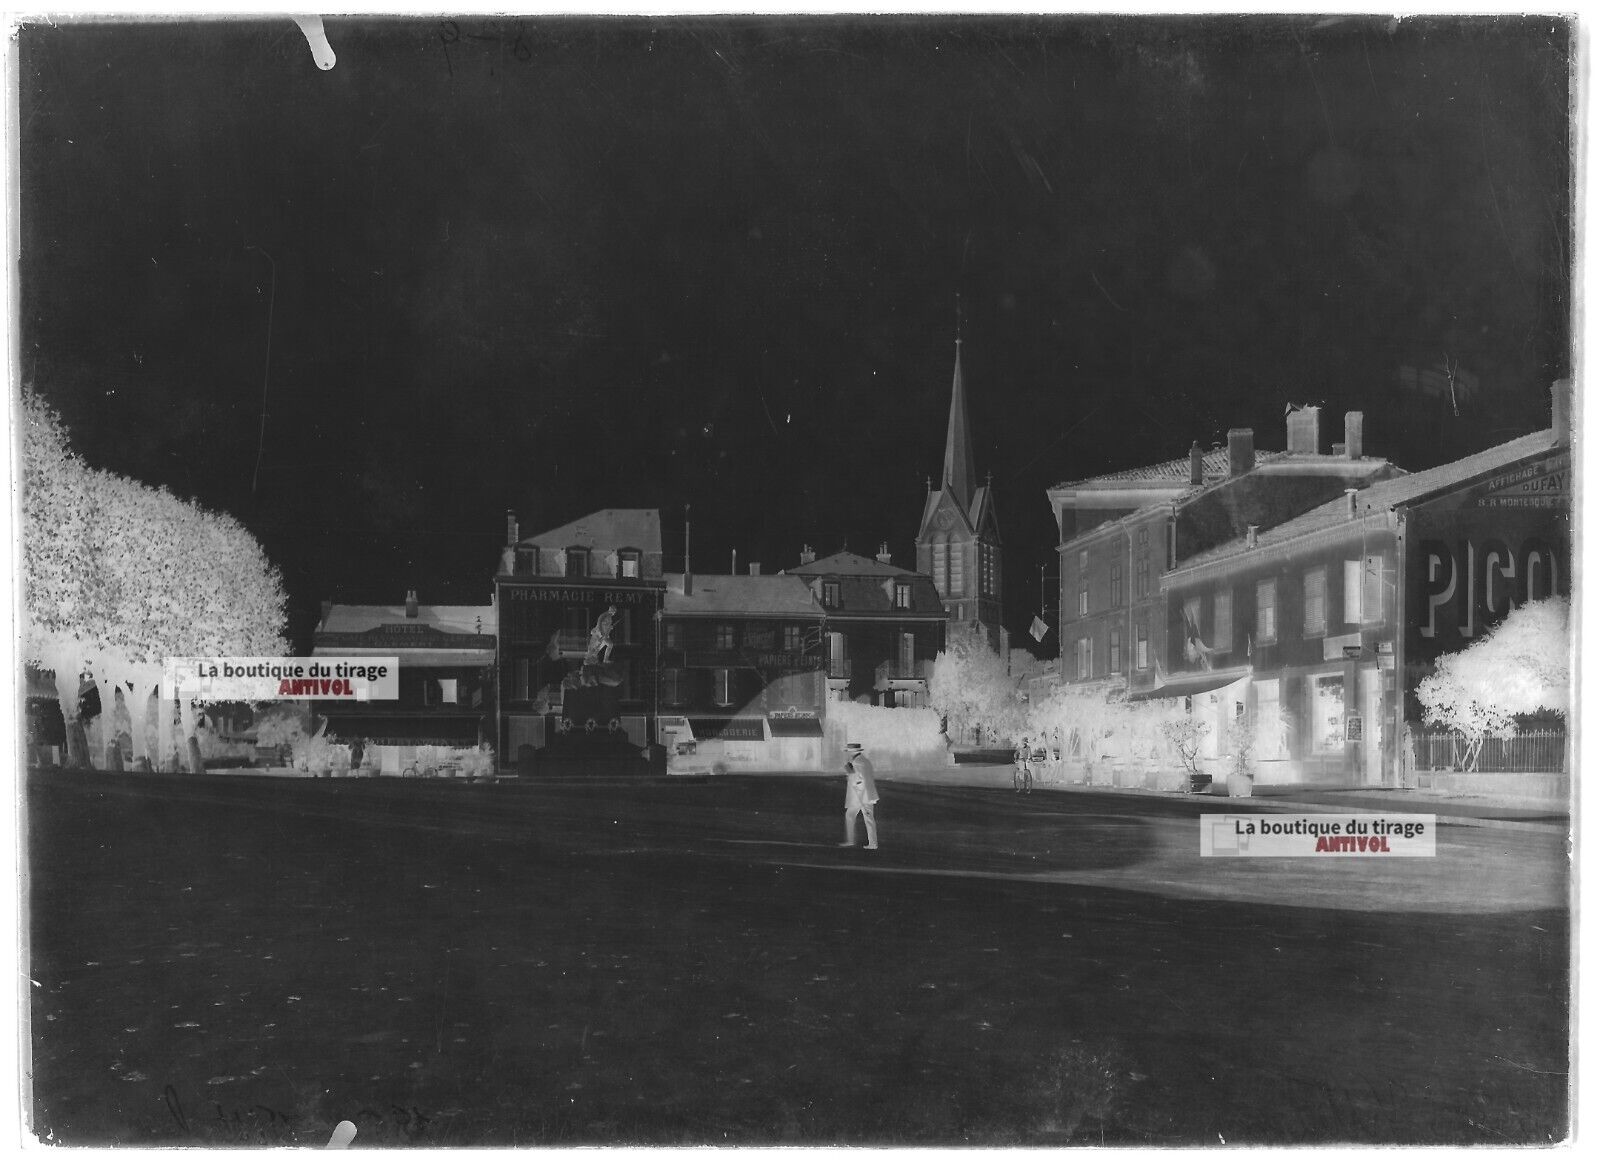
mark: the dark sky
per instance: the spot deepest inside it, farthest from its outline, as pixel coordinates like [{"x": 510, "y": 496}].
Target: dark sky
[{"x": 559, "y": 265}]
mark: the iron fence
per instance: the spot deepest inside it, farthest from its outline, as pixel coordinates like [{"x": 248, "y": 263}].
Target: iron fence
[{"x": 1537, "y": 751}]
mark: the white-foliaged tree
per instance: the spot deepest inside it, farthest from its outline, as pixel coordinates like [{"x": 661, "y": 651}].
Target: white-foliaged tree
[
  {"x": 119, "y": 575},
  {"x": 970, "y": 686},
  {"x": 1520, "y": 667}
]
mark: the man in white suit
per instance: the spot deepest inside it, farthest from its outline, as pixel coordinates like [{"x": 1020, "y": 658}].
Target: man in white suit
[{"x": 860, "y": 793}]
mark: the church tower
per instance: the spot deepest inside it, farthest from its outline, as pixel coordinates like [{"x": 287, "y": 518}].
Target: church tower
[{"x": 958, "y": 544}]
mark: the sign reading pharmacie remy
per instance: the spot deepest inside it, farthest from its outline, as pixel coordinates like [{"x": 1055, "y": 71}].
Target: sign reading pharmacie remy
[{"x": 275, "y": 678}]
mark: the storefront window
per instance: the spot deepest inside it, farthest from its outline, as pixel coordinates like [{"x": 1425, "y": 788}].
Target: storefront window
[
  {"x": 1272, "y": 738},
  {"x": 1327, "y": 714}
]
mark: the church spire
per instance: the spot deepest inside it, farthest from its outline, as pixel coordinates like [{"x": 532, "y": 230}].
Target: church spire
[{"x": 958, "y": 466}]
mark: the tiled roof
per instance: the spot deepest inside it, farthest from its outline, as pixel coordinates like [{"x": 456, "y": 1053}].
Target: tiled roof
[
  {"x": 606, "y": 530},
  {"x": 467, "y": 619},
  {"x": 862, "y": 589},
  {"x": 1173, "y": 473},
  {"x": 847, "y": 563},
  {"x": 1273, "y": 462},
  {"x": 1391, "y": 492},
  {"x": 742, "y": 595}
]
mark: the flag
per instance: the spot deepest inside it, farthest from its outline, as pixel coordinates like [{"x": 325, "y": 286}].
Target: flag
[
  {"x": 1038, "y": 630},
  {"x": 1194, "y": 648}
]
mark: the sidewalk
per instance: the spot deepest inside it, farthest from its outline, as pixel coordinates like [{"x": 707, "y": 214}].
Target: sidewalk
[{"x": 1457, "y": 809}]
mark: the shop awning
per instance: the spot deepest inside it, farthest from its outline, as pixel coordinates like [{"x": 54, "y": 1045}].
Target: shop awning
[
  {"x": 1190, "y": 684},
  {"x": 403, "y": 728},
  {"x": 742, "y": 729},
  {"x": 795, "y": 726}
]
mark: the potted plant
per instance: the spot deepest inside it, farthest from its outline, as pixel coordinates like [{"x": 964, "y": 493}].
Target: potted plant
[
  {"x": 339, "y": 759},
  {"x": 1241, "y": 756},
  {"x": 1186, "y": 735}
]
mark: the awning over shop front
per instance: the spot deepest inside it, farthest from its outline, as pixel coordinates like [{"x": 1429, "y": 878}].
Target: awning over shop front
[
  {"x": 406, "y": 729},
  {"x": 795, "y": 726},
  {"x": 742, "y": 729},
  {"x": 1190, "y": 684}
]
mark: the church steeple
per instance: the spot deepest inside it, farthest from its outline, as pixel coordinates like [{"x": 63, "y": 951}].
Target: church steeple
[
  {"x": 958, "y": 465},
  {"x": 958, "y": 542}
]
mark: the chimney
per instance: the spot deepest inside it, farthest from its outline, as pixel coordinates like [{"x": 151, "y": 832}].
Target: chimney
[
  {"x": 1241, "y": 451},
  {"x": 733, "y": 562},
  {"x": 1350, "y": 502},
  {"x": 1197, "y": 465},
  {"x": 807, "y": 555},
  {"x": 755, "y": 567},
  {"x": 883, "y": 552},
  {"x": 411, "y": 604},
  {"x": 1250, "y": 535},
  {"x": 1561, "y": 409},
  {"x": 1305, "y": 430},
  {"x": 1352, "y": 434},
  {"x": 511, "y": 528}
]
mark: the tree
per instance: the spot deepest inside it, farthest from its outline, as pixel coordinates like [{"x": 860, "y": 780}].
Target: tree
[
  {"x": 1518, "y": 668},
  {"x": 971, "y": 688},
  {"x": 60, "y": 566},
  {"x": 119, "y": 575}
]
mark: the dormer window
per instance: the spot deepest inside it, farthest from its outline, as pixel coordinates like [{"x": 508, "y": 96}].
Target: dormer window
[
  {"x": 902, "y": 595},
  {"x": 628, "y": 563},
  {"x": 577, "y": 562},
  {"x": 527, "y": 561},
  {"x": 830, "y": 593}
]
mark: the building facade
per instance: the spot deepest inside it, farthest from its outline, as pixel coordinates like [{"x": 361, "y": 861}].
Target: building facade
[
  {"x": 742, "y": 684},
  {"x": 958, "y": 541},
  {"x": 579, "y": 609},
  {"x": 1312, "y": 634},
  {"x": 1120, "y": 532},
  {"x": 884, "y": 626},
  {"x": 446, "y": 682}
]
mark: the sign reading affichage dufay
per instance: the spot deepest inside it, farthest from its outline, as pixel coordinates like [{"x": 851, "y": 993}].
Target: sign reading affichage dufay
[
  {"x": 1369, "y": 834},
  {"x": 276, "y": 678}
]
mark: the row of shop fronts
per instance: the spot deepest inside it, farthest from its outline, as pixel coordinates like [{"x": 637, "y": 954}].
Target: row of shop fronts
[
  {"x": 1305, "y": 634},
  {"x": 592, "y": 659}
]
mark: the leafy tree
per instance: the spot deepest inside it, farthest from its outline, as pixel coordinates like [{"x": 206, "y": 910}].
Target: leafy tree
[
  {"x": 60, "y": 566},
  {"x": 972, "y": 689},
  {"x": 1518, "y": 668},
  {"x": 119, "y": 575}
]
